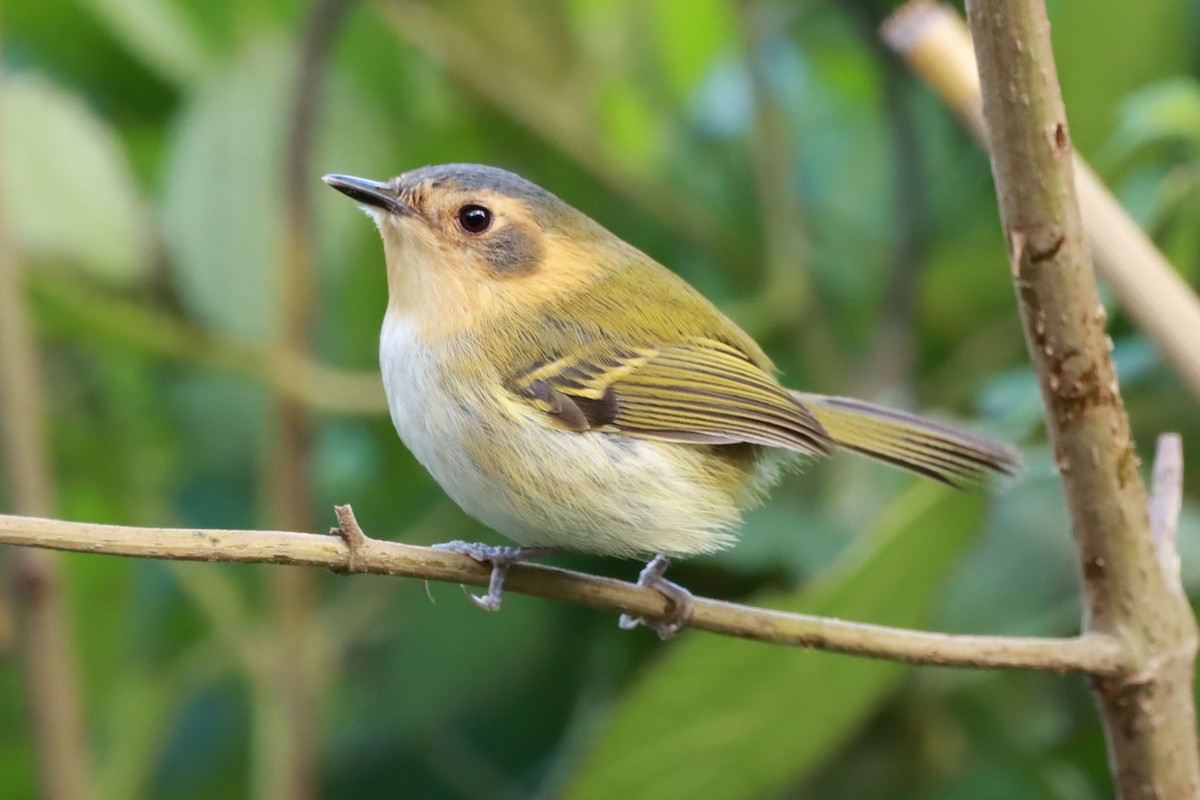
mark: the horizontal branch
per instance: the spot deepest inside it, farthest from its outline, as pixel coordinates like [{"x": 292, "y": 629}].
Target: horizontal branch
[
  {"x": 1092, "y": 653},
  {"x": 103, "y": 314}
]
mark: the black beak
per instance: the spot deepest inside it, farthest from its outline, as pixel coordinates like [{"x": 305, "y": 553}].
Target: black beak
[{"x": 371, "y": 193}]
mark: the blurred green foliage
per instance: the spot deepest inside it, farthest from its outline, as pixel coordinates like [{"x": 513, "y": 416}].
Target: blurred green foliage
[{"x": 768, "y": 151}]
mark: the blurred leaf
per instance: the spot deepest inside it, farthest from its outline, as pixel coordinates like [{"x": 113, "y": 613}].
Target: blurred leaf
[
  {"x": 1165, "y": 112},
  {"x": 1150, "y": 194},
  {"x": 691, "y": 34},
  {"x": 69, "y": 191},
  {"x": 225, "y": 204},
  {"x": 631, "y": 126},
  {"x": 1159, "y": 135},
  {"x": 793, "y": 535},
  {"x": 157, "y": 33},
  {"x": 1012, "y": 403},
  {"x": 474, "y": 655},
  {"x": 1189, "y": 547},
  {"x": 533, "y": 35},
  {"x": 720, "y": 719},
  {"x": 829, "y": 87},
  {"x": 722, "y": 105},
  {"x": 1180, "y": 240},
  {"x": 1135, "y": 359},
  {"x": 18, "y": 749},
  {"x": 136, "y": 721},
  {"x": 1103, "y": 54},
  {"x": 1002, "y": 587}
]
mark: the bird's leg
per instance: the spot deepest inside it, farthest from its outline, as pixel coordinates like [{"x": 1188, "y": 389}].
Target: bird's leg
[
  {"x": 501, "y": 558},
  {"x": 680, "y": 613}
]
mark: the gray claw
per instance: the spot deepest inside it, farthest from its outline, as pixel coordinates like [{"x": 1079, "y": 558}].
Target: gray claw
[
  {"x": 483, "y": 553},
  {"x": 680, "y": 613},
  {"x": 488, "y": 602},
  {"x": 501, "y": 558}
]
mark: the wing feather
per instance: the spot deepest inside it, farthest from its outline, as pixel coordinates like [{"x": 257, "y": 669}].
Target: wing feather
[{"x": 700, "y": 390}]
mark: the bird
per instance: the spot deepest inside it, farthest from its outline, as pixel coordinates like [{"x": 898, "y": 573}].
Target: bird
[{"x": 575, "y": 395}]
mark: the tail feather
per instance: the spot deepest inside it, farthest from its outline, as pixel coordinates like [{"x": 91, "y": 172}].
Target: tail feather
[{"x": 933, "y": 449}]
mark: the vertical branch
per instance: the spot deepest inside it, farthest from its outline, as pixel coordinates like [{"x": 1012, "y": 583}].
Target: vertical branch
[
  {"x": 787, "y": 294},
  {"x": 1148, "y": 714},
  {"x": 46, "y": 636},
  {"x": 294, "y": 674},
  {"x": 894, "y": 350}
]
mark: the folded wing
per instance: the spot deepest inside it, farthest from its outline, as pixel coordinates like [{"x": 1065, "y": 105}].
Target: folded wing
[{"x": 699, "y": 391}]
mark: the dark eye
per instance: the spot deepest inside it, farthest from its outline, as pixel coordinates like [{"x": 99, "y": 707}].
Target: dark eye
[{"x": 474, "y": 219}]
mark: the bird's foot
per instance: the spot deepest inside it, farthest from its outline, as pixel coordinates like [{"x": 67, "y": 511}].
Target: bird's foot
[
  {"x": 680, "y": 613},
  {"x": 500, "y": 559}
]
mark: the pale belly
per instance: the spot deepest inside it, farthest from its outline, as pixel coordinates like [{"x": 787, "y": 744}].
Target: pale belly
[{"x": 539, "y": 485}]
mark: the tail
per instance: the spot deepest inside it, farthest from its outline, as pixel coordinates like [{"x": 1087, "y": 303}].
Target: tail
[{"x": 929, "y": 448}]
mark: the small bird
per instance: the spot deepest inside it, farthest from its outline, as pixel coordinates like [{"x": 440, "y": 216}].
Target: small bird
[{"x": 573, "y": 394}]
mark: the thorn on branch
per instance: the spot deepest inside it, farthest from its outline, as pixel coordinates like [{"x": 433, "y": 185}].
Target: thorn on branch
[
  {"x": 1166, "y": 502},
  {"x": 350, "y": 533}
]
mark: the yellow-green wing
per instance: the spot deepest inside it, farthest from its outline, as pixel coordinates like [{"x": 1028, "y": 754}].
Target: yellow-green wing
[{"x": 699, "y": 391}]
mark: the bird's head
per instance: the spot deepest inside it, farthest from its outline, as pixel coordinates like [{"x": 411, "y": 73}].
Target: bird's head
[{"x": 464, "y": 242}]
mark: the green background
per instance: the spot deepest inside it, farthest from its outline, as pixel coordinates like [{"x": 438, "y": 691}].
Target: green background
[{"x": 770, "y": 152}]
